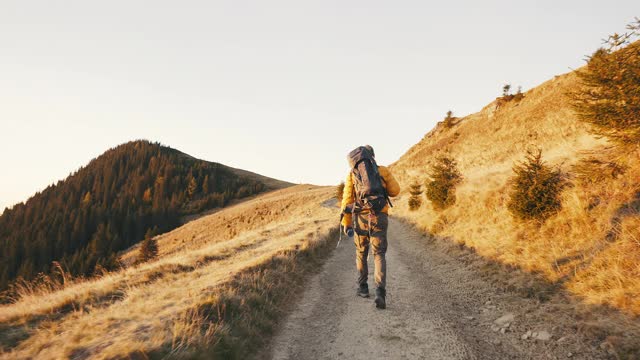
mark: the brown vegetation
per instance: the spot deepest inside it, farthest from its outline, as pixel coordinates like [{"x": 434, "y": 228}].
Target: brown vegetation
[
  {"x": 590, "y": 247},
  {"x": 148, "y": 248},
  {"x": 107, "y": 206},
  {"x": 216, "y": 289},
  {"x": 508, "y": 96},
  {"x": 415, "y": 200}
]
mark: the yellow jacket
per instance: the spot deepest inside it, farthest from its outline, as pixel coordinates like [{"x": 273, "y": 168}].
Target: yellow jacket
[{"x": 348, "y": 197}]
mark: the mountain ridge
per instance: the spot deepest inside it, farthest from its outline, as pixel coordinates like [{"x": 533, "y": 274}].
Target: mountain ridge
[{"x": 130, "y": 191}]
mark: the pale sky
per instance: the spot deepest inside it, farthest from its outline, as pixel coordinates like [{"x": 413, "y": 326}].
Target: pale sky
[{"x": 282, "y": 88}]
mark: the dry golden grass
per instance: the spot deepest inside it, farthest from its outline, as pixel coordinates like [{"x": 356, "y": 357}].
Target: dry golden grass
[
  {"x": 211, "y": 282},
  {"x": 612, "y": 277},
  {"x": 591, "y": 246}
]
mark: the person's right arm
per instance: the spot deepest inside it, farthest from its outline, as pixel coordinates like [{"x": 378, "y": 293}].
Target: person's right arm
[{"x": 347, "y": 199}]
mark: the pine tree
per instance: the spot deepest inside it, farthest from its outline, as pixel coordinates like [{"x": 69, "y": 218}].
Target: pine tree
[
  {"x": 192, "y": 186},
  {"x": 148, "y": 248},
  {"x": 100, "y": 243},
  {"x": 205, "y": 185},
  {"x": 609, "y": 98},
  {"x": 519, "y": 95},
  {"x": 415, "y": 201},
  {"x": 440, "y": 189},
  {"x": 146, "y": 197},
  {"x": 536, "y": 188},
  {"x": 159, "y": 190},
  {"x": 102, "y": 209},
  {"x": 505, "y": 90},
  {"x": 448, "y": 120},
  {"x": 87, "y": 198}
]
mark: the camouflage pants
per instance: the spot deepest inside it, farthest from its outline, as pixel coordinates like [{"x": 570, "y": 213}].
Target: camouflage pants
[{"x": 376, "y": 239}]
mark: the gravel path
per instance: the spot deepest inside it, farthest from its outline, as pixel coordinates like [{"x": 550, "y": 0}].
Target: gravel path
[{"x": 436, "y": 309}]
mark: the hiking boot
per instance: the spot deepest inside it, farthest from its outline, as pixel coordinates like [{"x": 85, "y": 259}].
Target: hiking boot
[
  {"x": 380, "y": 298},
  {"x": 363, "y": 290}
]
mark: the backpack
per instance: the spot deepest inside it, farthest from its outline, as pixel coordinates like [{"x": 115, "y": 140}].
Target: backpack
[{"x": 370, "y": 194}]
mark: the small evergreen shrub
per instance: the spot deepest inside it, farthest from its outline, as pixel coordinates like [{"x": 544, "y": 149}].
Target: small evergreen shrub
[
  {"x": 449, "y": 120},
  {"x": 440, "y": 189},
  {"x": 508, "y": 96},
  {"x": 506, "y": 90},
  {"x": 536, "y": 188},
  {"x": 519, "y": 94},
  {"x": 148, "y": 248},
  {"x": 415, "y": 201}
]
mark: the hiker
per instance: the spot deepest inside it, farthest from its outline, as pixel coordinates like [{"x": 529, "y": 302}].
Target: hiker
[{"x": 365, "y": 204}]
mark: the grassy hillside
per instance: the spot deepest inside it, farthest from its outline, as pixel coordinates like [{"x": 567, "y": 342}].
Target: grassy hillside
[
  {"x": 591, "y": 247},
  {"x": 131, "y": 190},
  {"x": 214, "y": 292}
]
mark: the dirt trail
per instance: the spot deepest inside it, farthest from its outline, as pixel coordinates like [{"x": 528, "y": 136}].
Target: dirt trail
[{"x": 436, "y": 309}]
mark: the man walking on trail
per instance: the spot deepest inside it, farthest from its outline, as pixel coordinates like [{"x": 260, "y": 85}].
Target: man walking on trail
[{"x": 365, "y": 205}]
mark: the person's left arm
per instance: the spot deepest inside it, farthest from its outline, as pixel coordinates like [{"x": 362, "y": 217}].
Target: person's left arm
[{"x": 348, "y": 198}]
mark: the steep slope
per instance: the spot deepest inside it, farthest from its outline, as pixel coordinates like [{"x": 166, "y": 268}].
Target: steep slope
[
  {"x": 217, "y": 288},
  {"x": 590, "y": 247},
  {"x": 131, "y": 190},
  {"x": 490, "y": 141},
  {"x": 270, "y": 183}
]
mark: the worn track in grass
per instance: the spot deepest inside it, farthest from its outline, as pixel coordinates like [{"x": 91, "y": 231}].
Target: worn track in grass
[{"x": 436, "y": 309}]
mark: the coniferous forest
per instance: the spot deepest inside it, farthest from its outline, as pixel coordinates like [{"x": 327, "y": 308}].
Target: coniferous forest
[{"x": 109, "y": 205}]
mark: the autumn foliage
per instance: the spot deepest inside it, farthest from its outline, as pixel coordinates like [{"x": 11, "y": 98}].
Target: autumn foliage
[{"x": 109, "y": 205}]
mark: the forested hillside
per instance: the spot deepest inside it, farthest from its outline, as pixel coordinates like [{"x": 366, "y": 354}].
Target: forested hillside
[{"x": 131, "y": 190}]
